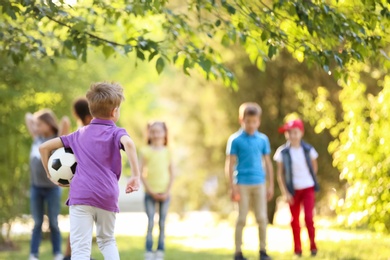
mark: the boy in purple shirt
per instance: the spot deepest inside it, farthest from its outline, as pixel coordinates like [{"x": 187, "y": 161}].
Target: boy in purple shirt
[{"x": 94, "y": 191}]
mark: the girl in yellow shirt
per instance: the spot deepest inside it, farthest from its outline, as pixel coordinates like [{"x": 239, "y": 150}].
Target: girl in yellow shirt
[{"x": 157, "y": 177}]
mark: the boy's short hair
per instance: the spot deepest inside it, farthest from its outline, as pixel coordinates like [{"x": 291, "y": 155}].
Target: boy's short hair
[
  {"x": 103, "y": 98},
  {"x": 81, "y": 108},
  {"x": 249, "y": 109}
]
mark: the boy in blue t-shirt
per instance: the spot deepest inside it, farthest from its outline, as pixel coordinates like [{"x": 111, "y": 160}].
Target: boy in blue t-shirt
[{"x": 246, "y": 150}]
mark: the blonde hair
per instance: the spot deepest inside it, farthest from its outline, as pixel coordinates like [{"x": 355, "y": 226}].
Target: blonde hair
[
  {"x": 103, "y": 98},
  {"x": 48, "y": 117},
  {"x": 249, "y": 108}
]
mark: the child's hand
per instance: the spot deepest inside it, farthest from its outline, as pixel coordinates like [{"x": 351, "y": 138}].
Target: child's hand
[
  {"x": 235, "y": 196},
  {"x": 161, "y": 196},
  {"x": 289, "y": 198},
  {"x": 132, "y": 184},
  {"x": 270, "y": 193}
]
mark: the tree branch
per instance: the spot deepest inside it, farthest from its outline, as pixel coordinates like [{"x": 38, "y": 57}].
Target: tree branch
[{"x": 87, "y": 33}]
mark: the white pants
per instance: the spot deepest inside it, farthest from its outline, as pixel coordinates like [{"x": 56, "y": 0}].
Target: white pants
[{"x": 81, "y": 226}]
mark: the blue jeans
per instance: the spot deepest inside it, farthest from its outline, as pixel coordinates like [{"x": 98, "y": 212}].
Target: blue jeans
[
  {"x": 150, "y": 208},
  {"x": 38, "y": 198}
]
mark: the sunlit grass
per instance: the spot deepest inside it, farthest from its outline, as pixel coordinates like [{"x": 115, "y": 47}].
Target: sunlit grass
[{"x": 365, "y": 246}]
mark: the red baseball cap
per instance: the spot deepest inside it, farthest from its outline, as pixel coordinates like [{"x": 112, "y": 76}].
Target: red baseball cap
[{"x": 297, "y": 123}]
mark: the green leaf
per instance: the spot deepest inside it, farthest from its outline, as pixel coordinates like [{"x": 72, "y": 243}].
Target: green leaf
[
  {"x": 152, "y": 55},
  {"x": 271, "y": 51},
  {"x": 225, "y": 40},
  {"x": 231, "y": 9},
  {"x": 326, "y": 68},
  {"x": 128, "y": 48},
  {"x": 206, "y": 65},
  {"x": 264, "y": 36},
  {"x": 338, "y": 60},
  {"x": 84, "y": 55},
  {"x": 108, "y": 51},
  {"x": 140, "y": 55},
  {"x": 160, "y": 64},
  {"x": 80, "y": 26},
  {"x": 186, "y": 65}
]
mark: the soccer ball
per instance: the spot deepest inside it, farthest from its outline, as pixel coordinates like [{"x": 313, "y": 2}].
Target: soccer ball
[{"x": 62, "y": 166}]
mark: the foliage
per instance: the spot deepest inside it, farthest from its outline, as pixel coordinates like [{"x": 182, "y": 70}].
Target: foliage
[
  {"x": 190, "y": 34},
  {"x": 360, "y": 149},
  {"x": 26, "y": 88},
  {"x": 361, "y": 153}
]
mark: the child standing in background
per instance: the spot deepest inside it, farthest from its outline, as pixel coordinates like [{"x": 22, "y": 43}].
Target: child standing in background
[
  {"x": 84, "y": 117},
  {"x": 157, "y": 177},
  {"x": 245, "y": 152},
  {"x": 296, "y": 173},
  {"x": 43, "y": 126},
  {"x": 94, "y": 190}
]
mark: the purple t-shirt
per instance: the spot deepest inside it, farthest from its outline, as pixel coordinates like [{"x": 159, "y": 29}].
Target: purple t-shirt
[{"x": 97, "y": 150}]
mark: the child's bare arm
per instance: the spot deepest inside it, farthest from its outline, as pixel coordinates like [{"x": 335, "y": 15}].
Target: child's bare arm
[
  {"x": 64, "y": 127},
  {"x": 315, "y": 166},
  {"x": 231, "y": 162},
  {"x": 270, "y": 173},
  {"x": 46, "y": 148},
  {"x": 134, "y": 182},
  {"x": 143, "y": 179},
  {"x": 29, "y": 119},
  {"x": 171, "y": 177}
]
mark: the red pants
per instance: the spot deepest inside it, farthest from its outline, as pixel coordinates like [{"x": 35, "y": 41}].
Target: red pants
[{"x": 307, "y": 198}]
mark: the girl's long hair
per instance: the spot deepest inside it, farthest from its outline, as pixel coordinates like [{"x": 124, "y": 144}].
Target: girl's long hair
[
  {"x": 48, "y": 117},
  {"x": 149, "y": 140}
]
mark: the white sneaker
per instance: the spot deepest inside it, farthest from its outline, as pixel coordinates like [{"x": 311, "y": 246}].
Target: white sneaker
[
  {"x": 32, "y": 257},
  {"x": 58, "y": 257},
  {"x": 159, "y": 255},
  {"x": 149, "y": 255}
]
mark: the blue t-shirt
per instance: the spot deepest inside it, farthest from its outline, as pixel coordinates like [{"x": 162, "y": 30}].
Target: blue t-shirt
[{"x": 249, "y": 150}]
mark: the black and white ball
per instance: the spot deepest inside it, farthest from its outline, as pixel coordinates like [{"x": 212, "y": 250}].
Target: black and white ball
[{"x": 62, "y": 166}]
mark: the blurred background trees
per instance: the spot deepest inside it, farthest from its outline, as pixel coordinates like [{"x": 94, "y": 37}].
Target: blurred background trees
[{"x": 324, "y": 61}]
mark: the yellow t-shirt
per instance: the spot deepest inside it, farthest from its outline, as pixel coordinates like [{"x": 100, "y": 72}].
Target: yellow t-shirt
[{"x": 156, "y": 166}]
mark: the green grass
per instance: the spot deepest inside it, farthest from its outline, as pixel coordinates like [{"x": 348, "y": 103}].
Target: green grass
[{"x": 132, "y": 248}]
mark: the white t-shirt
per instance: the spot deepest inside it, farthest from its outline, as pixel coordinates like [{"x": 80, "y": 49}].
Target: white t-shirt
[{"x": 301, "y": 174}]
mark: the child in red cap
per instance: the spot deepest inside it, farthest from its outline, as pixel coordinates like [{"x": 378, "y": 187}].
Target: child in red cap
[{"x": 296, "y": 173}]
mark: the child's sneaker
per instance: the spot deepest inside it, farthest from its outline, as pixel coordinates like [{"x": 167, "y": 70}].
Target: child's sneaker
[
  {"x": 264, "y": 256},
  {"x": 313, "y": 252},
  {"x": 239, "y": 256},
  {"x": 58, "y": 257},
  {"x": 297, "y": 255},
  {"x": 33, "y": 257},
  {"x": 159, "y": 255},
  {"x": 149, "y": 255}
]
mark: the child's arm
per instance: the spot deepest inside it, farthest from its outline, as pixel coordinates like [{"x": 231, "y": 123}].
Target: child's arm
[
  {"x": 143, "y": 179},
  {"x": 45, "y": 150},
  {"x": 129, "y": 146},
  {"x": 171, "y": 177},
  {"x": 29, "y": 119},
  {"x": 270, "y": 173},
  {"x": 64, "y": 128},
  {"x": 230, "y": 164},
  {"x": 282, "y": 183},
  {"x": 315, "y": 166}
]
